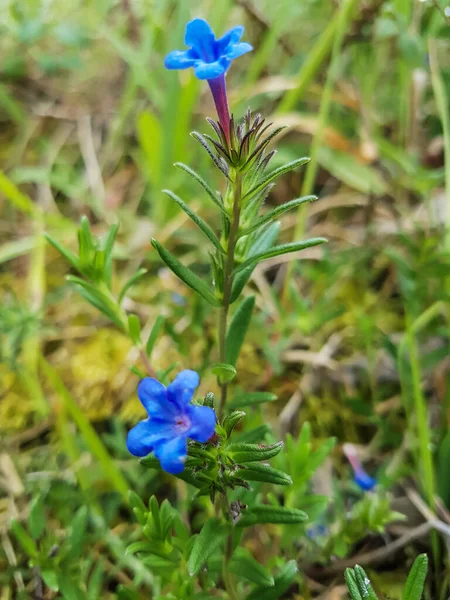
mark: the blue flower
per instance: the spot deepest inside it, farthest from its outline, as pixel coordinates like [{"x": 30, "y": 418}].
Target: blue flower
[
  {"x": 360, "y": 477},
  {"x": 209, "y": 57},
  {"x": 364, "y": 481},
  {"x": 172, "y": 419}
]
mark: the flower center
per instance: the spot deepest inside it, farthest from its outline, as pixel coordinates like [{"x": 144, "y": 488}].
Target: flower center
[{"x": 182, "y": 424}]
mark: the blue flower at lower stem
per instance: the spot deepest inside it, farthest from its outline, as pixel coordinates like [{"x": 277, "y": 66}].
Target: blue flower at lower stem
[
  {"x": 172, "y": 419},
  {"x": 209, "y": 57}
]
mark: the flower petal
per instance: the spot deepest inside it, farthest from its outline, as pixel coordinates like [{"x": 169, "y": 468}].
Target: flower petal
[
  {"x": 201, "y": 38},
  {"x": 145, "y": 435},
  {"x": 153, "y": 396},
  {"x": 230, "y": 37},
  {"x": 172, "y": 454},
  {"x": 365, "y": 481},
  {"x": 237, "y": 50},
  {"x": 198, "y": 30},
  {"x": 181, "y": 390},
  {"x": 203, "y": 423},
  {"x": 179, "y": 59},
  {"x": 211, "y": 70}
]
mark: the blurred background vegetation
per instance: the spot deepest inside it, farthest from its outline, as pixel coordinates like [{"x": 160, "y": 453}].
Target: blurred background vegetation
[{"x": 353, "y": 337}]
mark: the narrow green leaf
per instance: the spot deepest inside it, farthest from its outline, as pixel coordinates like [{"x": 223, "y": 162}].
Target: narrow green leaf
[
  {"x": 154, "y": 333},
  {"x": 255, "y": 435},
  {"x": 201, "y": 224},
  {"x": 71, "y": 258},
  {"x": 109, "y": 239},
  {"x": 244, "y": 565},
  {"x": 282, "y": 581},
  {"x": 140, "y": 546},
  {"x": 212, "y": 535},
  {"x": 219, "y": 163},
  {"x": 232, "y": 420},
  {"x": 204, "y": 185},
  {"x": 272, "y": 514},
  {"x": 364, "y": 584},
  {"x": 134, "y": 328},
  {"x": 139, "y": 273},
  {"x": 267, "y": 180},
  {"x": 263, "y": 242},
  {"x": 78, "y": 532},
  {"x": 350, "y": 580},
  {"x": 278, "y": 251},
  {"x": 258, "y": 472},
  {"x": 185, "y": 274},
  {"x": 50, "y": 579},
  {"x": 242, "y": 452},
  {"x": 36, "y": 518},
  {"x": 224, "y": 372},
  {"x": 24, "y": 539},
  {"x": 277, "y": 212},
  {"x": 238, "y": 329},
  {"x": 95, "y": 297},
  {"x": 251, "y": 399},
  {"x": 240, "y": 281},
  {"x": 416, "y": 579}
]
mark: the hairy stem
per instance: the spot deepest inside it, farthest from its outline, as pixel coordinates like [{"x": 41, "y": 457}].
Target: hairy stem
[{"x": 228, "y": 285}]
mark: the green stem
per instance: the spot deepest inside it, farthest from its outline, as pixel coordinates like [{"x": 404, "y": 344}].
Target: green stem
[{"x": 228, "y": 285}]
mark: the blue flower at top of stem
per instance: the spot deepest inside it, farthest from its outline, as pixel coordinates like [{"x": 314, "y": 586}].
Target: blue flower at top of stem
[
  {"x": 209, "y": 57},
  {"x": 172, "y": 419}
]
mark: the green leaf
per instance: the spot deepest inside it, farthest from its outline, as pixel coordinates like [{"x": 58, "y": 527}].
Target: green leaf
[
  {"x": 224, "y": 372},
  {"x": 240, "y": 281},
  {"x": 255, "y": 435},
  {"x": 69, "y": 590},
  {"x": 263, "y": 242},
  {"x": 212, "y": 535},
  {"x": 157, "y": 326},
  {"x": 364, "y": 584},
  {"x": 140, "y": 546},
  {"x": 150, "y": 461},
  {"x": 219, "y": 163},
  {"x": 185, "y": 274},
  {"x": 201, "y": 224},
  {"x": 350, "y": 580},
  {"x": 50, "y": 579},
  {"x": 244, "y": 565},
  {"x": 242, "y": 452},
  {"x": 78, "y": 531},
  {"x": 134, "y": 328},
  {"x": 238, "y": 329},
  {"x": 232, "y": 420},
  {"x": 139, "y": 508},
  {"x": 139, "y": 273},
  {"x": 204, "y": 185},
  {"x": 24, "y": 539},
  {"x": 277, "y": 212},
  {"x": 259, "y": 187},
  {"x": 271, "y": 514},
  {"x": 71, "y": 258},
  {"x": 278, "y": 251},
  {"x": 36, "y": 518},
  {"x": 416, "y": 579},
  {"x": 258, "y": 472},
  {"x": 251, "y": 399},
  {"x": 95, "y": 297},
  {"x": 108, "y": 242},
  {"x": 282, "y": 581}
]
